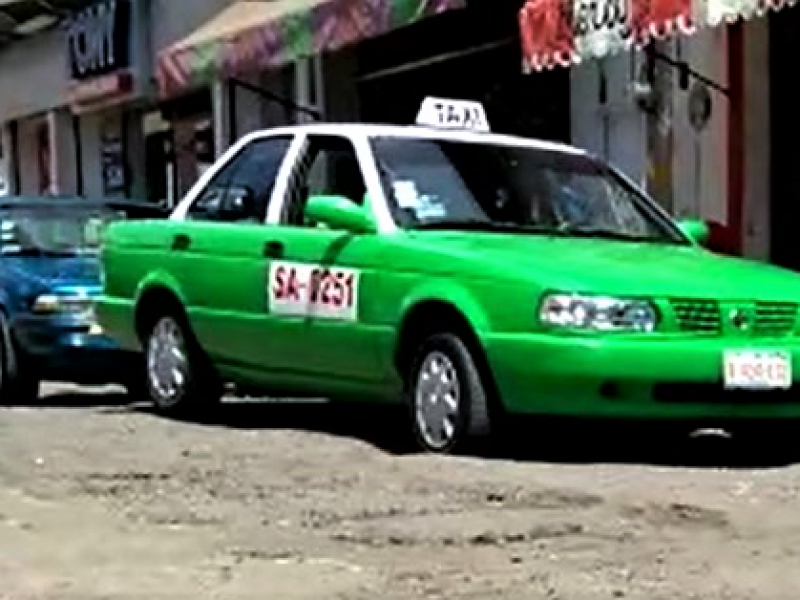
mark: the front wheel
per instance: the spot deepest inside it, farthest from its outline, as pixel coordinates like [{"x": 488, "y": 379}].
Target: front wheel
[
  {"x": 448, "y": 397},
  {"x": 18, "y": 383},
  {"x": 180, "y": 379}
]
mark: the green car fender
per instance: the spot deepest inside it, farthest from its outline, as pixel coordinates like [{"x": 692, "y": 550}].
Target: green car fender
[{"x": 435, "y": 305}]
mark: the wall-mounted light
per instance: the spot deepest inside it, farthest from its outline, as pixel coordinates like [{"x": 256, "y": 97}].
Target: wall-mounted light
[{"x": 35, "y": 25}]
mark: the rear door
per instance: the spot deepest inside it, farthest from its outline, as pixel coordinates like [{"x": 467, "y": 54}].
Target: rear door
[{"x": 218, "y": 256}]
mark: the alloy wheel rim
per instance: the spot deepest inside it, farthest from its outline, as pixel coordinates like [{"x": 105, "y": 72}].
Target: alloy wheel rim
[
  {"x": 167, "y": 364},
  {"x": 437, "y": 400}
]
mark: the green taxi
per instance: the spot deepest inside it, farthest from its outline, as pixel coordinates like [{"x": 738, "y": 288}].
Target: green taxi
[{"x": 468, "y": 274}]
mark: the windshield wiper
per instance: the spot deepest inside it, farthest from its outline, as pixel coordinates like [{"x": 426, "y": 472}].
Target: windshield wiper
[
  {"x": 485, "y": 225},
  {"x": 607, "y": 234},
  {"x": 465, "y": 224}
]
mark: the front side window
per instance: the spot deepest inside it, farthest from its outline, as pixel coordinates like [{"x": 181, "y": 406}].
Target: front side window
[
  {"x": 242, "y": 189},
  {"x": 329, "y": 166},
  {"x": 443, "y": 184}
]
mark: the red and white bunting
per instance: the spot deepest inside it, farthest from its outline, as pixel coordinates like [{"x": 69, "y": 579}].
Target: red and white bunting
[
  {"x": 716, "y": 12},
  {"x": 565, "y": 32}
]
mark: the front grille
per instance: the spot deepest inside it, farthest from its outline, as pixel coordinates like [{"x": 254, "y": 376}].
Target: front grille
[
  {"x": 697, "y": 316},
  {"x": 775, "y": 319}
]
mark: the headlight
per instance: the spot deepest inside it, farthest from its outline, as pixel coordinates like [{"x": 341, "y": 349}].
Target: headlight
[
  {"x": 598, "y": 313},
  {"x": 53, "y": 303}
]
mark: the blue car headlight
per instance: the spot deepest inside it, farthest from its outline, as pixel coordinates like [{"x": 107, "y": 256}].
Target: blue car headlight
[
  {"x": 46, "y": 304},
  {"x": 598, "y": 313}
]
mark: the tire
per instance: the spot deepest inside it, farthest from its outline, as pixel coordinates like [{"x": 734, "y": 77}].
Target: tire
[
  {"x": 464, "y": 421},
  {"x": 180, "y": 380},
  {"x": 135, "y": 382},
  {"x": 18, "y": 383}
]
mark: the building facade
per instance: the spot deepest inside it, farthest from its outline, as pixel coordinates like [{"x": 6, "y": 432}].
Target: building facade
[{"x": 137, "y": 97}]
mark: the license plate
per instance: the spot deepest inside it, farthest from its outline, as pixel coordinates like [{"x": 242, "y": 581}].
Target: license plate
[{"x": 758, "y": 370}]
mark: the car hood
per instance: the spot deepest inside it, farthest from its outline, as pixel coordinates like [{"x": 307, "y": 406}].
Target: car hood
[
  {"x": 615, "y": 267},
  {"x": 55, "y": 273}
]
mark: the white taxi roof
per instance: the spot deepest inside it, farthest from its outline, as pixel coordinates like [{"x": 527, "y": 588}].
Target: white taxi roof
[{"x": 415, "y": 132}]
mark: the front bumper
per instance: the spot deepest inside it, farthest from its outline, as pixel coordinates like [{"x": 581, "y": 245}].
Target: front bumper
[
  {"x": 73, "y": 349},
  {"x": 633, "y": 377}
]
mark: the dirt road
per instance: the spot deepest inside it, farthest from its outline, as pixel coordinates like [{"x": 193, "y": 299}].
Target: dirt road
[{"x": 105, "y": 501}]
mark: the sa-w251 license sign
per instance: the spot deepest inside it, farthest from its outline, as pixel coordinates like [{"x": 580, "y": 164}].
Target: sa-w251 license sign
[{"x": 306, "y": 290}]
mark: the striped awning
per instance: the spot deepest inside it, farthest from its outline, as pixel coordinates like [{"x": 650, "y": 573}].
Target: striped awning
[
  {"x": 256, "y": 35},
  {"x": 565, "y": 32}
]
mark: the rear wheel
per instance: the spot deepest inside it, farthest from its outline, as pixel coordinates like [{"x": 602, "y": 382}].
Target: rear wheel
[
  {"x": 448, "y": 398},
  {"x": 180, "y": 378}
]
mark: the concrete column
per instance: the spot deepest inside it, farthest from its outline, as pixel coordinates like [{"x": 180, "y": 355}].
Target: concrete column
[
  {"x": 135, "y": 155},
  {"x": 185, "y": 158},
  {"x": 308, "y": 87},
  {"x": 221, "y": 108},
  {"x": 6, "y": 160},
  {"x": 63, "y": 166},
  {"x": 758, "y": 159}
]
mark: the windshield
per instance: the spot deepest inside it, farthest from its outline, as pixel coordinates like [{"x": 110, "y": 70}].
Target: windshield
[
  {"x": 47, "y": 231},
  {"x": 438, "y": 184}
]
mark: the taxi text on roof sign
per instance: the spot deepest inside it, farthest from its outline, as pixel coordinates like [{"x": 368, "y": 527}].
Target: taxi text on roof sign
[{"x": 453, "y": 114}]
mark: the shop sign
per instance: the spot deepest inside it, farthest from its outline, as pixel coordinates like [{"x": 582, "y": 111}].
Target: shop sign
[
  {"x": 453, "y": 114},
  {"x": 601, "y": 27},
  {"x": 98, "y": 39},
  {"x": 563, "y": 32}
]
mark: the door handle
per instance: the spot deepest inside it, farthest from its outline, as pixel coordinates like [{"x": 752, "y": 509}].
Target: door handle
[
  {"x": 181, "y": 242},
  {"x": 273, "y": 249}
]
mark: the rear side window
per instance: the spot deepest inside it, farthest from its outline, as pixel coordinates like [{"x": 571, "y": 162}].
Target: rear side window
[{"x": 254, "y": 171}]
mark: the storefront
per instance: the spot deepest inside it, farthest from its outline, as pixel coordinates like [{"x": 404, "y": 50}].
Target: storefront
[
  {"x": 76, "y": 114},
  {"x": 783, "y": 102},
  {"x": 674, "y": 92},
  {"x": 107, "y": 90}
]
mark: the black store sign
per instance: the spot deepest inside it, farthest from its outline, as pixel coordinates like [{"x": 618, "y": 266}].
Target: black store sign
[{"x": 98, "y": 39}]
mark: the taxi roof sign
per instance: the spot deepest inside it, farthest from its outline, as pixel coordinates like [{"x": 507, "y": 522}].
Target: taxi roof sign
[{"x": 453, "y": 114}]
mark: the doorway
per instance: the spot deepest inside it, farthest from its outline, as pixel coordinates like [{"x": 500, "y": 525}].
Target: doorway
[{"x": 785, "y": 136}]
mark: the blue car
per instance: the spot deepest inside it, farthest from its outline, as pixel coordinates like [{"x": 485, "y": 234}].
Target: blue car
[{"x": 49, "y": 281}]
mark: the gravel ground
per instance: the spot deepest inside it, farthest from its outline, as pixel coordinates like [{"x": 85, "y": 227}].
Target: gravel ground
[{"x": 102, "y": 500}]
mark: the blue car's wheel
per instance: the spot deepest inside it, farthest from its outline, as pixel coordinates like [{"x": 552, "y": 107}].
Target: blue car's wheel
[{"x": 19, "y": 384}]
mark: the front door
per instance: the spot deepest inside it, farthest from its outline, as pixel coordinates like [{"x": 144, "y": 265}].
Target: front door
[{"x": 323, "y": 283}]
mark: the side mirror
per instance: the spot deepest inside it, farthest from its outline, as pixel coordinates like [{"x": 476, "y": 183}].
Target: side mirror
[
  {"x": 339, "y": 212},
  {"x": 696, "y": 230}
]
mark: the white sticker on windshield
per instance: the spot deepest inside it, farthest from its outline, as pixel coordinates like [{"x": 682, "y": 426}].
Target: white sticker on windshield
[
  {"x": 405, "y": 192},
  {"x": 429, "y": 207}
]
